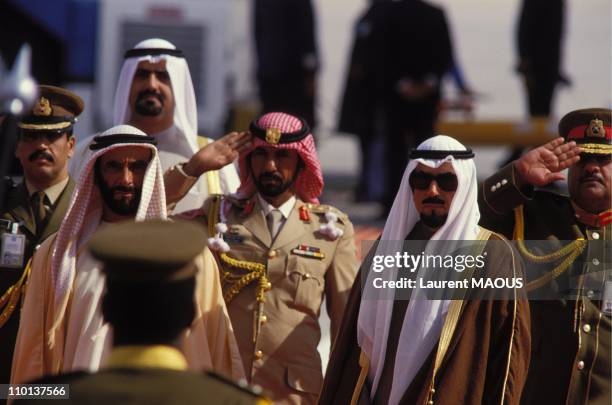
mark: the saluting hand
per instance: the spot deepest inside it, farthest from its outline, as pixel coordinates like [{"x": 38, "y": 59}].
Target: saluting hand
[
  {"x": 543, "y": 164},
  {"x": 217, "y": 154}
]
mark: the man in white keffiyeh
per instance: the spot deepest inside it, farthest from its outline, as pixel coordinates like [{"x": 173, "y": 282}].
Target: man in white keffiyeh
[
  {"x": 155, "y": 94},
  {"x": 388, "y": 347},
  {"x": 62, "y": 326}
]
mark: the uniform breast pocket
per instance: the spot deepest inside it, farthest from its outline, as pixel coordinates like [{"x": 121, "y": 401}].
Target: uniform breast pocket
[{"x": 307, "y": 278}]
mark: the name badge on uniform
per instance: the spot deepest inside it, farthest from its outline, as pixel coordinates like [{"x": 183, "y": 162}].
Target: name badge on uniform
[
  {"x": 606, "y": 304},
  {"x": 13, "y": 248}
]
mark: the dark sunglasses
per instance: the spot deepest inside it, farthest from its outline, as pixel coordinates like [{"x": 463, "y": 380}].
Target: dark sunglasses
[
  {"x": 421, "y": 180},
  {"x": 31, "y": 136}
]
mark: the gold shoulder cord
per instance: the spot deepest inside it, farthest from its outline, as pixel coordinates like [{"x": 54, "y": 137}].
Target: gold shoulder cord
[
  {"x": 8, "y": 301},
  {"x": 242, "y": 272},
  {"x": 567, "y": 253}
]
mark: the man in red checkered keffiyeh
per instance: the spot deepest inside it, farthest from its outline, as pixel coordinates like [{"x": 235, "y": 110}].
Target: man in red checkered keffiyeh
[
  {"x": 283, "y": 131},
  {"x": 280, "y": 253}
]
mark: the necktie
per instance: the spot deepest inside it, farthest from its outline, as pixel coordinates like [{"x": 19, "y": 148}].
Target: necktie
[
  {"x": 274, "y": 222},
  {"x": 39, "y": 210}
]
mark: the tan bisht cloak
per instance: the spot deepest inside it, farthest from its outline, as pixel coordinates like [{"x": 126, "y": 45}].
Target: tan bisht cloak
[{"x": 40, "y": 350}]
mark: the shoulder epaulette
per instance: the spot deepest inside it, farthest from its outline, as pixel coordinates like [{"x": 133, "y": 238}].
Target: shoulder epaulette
[{"x": 322, "y": 209}]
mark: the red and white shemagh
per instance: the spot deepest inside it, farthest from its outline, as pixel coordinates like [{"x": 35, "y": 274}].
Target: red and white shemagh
[
  {"x": 309, "y": 183},
  {"x": 85, "y": 212}
]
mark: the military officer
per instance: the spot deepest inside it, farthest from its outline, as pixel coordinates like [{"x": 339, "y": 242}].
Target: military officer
[
  {"x": 571, "y": 339},
  {"x": 142, "y": 260},
  {"x": 34, "y": 208},
  {"x": 280, "y": 252}
]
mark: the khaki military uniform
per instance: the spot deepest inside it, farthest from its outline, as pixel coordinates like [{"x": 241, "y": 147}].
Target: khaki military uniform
[
  {"x": 18, "y": 211},
  {"x": 279, "y": 333},
  {"x": 571, "y": 338}
]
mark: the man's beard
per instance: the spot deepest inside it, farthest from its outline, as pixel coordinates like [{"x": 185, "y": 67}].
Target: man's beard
[
  {"x": 147, "y": 107},
  {"x": 122, "y": 206},
  {"x": 434, "y": 220},
  {"x": 272, "y": 188}
]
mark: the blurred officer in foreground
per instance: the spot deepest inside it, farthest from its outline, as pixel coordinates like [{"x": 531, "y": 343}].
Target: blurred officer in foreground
[{"x": 149, "y": 302}]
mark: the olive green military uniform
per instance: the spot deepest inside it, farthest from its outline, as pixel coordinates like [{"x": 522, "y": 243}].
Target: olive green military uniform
[
  {"x": 275, "y": 316},
  {"x": 571, "y": 339},
  {"x": 145, "y": 386},
  {"x": 54, "y": 111},
  {"x": 18, "y": 212}
]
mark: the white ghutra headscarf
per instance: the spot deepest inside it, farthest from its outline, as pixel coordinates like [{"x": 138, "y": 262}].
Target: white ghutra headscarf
[
  {"x": 185, "y": 109},
  {"x": 85, "y": 213},
  {"x": 424, "y": 318}
]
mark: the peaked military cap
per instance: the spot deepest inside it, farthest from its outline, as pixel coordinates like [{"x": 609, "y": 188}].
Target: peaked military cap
[
  {"x": 154, "y": 250},
  {"x": 55, "y": 109},
  {"x": 590, "y": 128}
]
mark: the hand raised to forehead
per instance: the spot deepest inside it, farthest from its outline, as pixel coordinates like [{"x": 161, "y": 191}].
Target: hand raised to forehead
[
  {"x": 217, "y": 154},
  {"x": 543, "y": 164}
]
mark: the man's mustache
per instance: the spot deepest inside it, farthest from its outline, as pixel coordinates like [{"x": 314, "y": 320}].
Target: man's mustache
[
  {"x": 41, "y": 154},
  {"x": 123, "y": 189},
  {"x": 591, "y": 176},
  {"x": 270, "y": 176},
  {"x": 433, "y": 200},
  {"x": 146, "y": 93}
]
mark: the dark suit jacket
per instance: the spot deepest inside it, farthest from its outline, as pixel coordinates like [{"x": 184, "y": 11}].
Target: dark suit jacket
[
  {"x": 284, "y": 36},
  {"x": 153, "y": 386},
  {"x": 363, "y": 87},
  {"x": 18, "y": 210},
  {"x": 417, "y": 44},
  {"x": 540, "y": 30}
]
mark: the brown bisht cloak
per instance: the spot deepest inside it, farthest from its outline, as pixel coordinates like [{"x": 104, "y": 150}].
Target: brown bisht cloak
[{"x": 486, "y": 361}]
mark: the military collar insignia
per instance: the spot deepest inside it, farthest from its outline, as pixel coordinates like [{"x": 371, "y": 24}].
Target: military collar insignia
[
  {"x": 304, "y": 213},
  {"x": 593, "y": 220},
  {"x": 605, "y": 218},
  {"x": 248, "y": 208}
]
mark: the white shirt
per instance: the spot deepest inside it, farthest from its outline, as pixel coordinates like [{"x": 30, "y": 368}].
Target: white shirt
[{"x": 285, "y": 208}]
